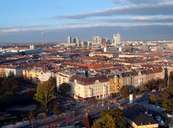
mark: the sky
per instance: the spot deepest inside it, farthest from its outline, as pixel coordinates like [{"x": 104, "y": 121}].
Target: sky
[{"x": 54, "y": 20}]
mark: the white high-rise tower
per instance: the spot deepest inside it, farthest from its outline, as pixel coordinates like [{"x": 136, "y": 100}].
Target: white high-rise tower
[
  {"x": 69, "y": 39},
  {"x": 31, "y": 47},
  {"x": 116, "y": 40},
  {"x": 97, "y": 40}
]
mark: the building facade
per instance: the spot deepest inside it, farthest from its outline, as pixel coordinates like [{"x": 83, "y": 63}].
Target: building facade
[{"x": 96, "y": 87}]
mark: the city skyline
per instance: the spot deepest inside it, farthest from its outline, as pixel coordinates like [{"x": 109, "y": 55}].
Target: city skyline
[{"x": 54, "y": 21}]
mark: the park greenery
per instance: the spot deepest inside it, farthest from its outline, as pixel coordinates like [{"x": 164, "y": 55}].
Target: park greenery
[
  {"x": 154, "y": 84},
  {"x": 21, "y": 91},
  {"x": 111, "y": 119},
  {"x": 45, "y": 93},
  {"x": 64, "y": 90},
  {"x": 14, "y": 91},
  {"x": 11, "y": 88},
  {"x": 162, "y": 94},
  {"x": 126, "y": 90},
  {"x": 164, "y": 97}
]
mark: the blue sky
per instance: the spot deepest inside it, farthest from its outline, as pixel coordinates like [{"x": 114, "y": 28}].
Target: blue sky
[
  {"x": 36, "y": 12},
  {"x": 29, "y": 20}
]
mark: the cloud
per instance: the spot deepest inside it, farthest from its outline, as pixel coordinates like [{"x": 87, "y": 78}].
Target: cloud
[
  {"x": 137, "y": 19},
  {"x": 115, "y": 24},
  {"x": 151, "y": 1},
  {"x": 116, "y": 21},
  {"x": 23, "y": 28},
  {"x": 139, "y": 2},
  {"x": 149, "y": 9}
]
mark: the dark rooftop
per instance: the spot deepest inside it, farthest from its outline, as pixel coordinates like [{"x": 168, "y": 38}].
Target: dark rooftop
[{"x": 139, "y": 115}]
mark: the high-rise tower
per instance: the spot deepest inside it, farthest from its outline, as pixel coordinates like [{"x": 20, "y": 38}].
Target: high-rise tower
[{"x": 116, "y": 40}]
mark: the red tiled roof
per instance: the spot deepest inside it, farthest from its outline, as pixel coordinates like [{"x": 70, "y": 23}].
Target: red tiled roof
[{"x": 89, "y": 80}]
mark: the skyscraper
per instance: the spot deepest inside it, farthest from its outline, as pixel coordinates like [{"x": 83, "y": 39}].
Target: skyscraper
[
  {"x": 69, "y": 39},
  {"x": 116, "y": 40},
  {"x": 76, "y": 41},
  {"x": 97, "y": 40},
  {"x": 32, "y": 47}
]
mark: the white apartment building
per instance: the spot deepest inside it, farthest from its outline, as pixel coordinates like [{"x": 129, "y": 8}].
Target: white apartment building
[
  {"x": 6, "y": 71},
  {"x": 96, "y": 87},
  {"x": 63, "y": 77}
]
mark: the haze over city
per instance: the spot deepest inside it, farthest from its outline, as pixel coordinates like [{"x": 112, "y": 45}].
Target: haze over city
[{"x": 27, "y": 21}]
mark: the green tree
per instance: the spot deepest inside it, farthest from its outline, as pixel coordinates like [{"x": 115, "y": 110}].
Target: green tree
[
  {"x": 52, "y": 82},
  {"x": 171, "y": 76},
  {"x": 111, "y": 118},
  {"x": 118, "y": 117},
  {"x": 31, "y": 117},
  {"x": 8, "y": 86},
  {"x": 153, "y": 99},
  {"x": 56, "y": 109},
  {"x": 105, "y": 121},
  {"x": 64, "y": 89},
  {"x": 150, "y": 85},
  {"x": 170, "y": 90},
  {"x": 154, "y": 84},
  {"x": 45, "y": 93},
  {"x": 126, "y": 90},
  {"x": 167, "y": 104}
]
